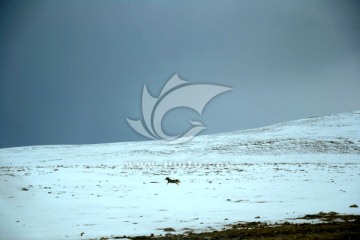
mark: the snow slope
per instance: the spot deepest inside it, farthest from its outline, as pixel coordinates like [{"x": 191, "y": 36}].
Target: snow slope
[{"x": 268, "y": 174}]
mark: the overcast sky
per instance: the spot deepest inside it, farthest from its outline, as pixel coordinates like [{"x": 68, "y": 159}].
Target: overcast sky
[{"x": 71, "y": 72}]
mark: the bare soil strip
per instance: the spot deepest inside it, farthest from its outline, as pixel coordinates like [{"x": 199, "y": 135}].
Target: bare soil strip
[{"x": 331, "y": 226}]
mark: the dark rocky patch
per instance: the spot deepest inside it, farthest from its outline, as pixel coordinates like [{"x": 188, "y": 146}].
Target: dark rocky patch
[{"x": 334, "y": 226}]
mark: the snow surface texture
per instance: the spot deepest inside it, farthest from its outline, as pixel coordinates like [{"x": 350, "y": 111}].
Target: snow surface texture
[{"x": 270, "y": 174}]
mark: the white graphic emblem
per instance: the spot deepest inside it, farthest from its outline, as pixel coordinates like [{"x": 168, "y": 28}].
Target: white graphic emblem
[{"x": 175, "y": 93}]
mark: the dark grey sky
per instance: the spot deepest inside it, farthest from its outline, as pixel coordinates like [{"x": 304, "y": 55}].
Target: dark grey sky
[{"x": 72, "y": 71}]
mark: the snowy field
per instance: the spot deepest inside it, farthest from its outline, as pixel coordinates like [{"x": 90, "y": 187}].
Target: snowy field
[{"x": 276, "y": 173}]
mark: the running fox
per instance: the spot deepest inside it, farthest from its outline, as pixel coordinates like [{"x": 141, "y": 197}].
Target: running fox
[{"x": 169, "y": 180}]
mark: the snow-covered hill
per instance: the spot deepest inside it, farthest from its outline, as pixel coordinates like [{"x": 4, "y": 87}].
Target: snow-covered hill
[
  {"x": 271, "y": 173},
  {"x": 335, "y": 134}
]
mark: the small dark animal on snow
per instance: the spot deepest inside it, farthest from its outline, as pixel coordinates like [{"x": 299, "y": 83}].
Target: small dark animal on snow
[{"x": 169, "y": 180}]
